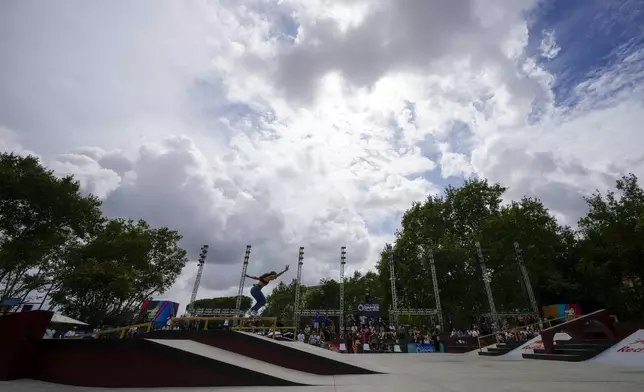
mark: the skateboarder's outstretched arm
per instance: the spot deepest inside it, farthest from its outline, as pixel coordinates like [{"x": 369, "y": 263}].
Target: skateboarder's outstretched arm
[
  {"x": 285, "y": 269},
  {"x": 252, "y": 277}
]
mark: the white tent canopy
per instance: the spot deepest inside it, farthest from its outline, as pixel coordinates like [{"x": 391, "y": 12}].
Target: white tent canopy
[{"x": 58, "y": 318}]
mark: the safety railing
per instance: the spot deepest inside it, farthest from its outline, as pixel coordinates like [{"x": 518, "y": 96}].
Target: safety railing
[
  {"x": 243, "y": 322},
  {"x": 122, "y": 331},
  {"x": 575, "y": 326},
  {"x": 494, "y": 338}
]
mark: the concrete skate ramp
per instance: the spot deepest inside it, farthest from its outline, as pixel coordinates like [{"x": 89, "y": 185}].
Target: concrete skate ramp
[
  {"x": 235, "y": 359},
  {"x": 267, "y": 350},
  {"x": 138, "y": 363},
  {"x": 628, "y": 352}
]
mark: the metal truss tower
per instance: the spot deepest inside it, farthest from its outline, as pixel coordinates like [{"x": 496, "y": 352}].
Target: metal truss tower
[
  {"x": 437, "y": 296},
  {"x": 486, "y": 281},
  {"x": 526, "y": 280},
  {"x": 296, "y": 306},
  {"x": 242, "y": 280},
  {"x": 200, "y": 263},
  {"x": 392, "y": 277},
  {"x": 343, "y": 257}
]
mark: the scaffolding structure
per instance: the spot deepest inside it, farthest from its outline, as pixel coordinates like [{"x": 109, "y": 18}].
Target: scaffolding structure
[
  {"x": 200, "y": 263},
  {"x": 242, "y": 281},
  {"x": 321, "y": 312},
  {"x": 437, "y": 297},
  {"x": 394, "y": 310},
  {"x": 219, "y": 312},
  {"x": 486, "y": 281},
  {"x": 343, "y": 262},
  {"x": 526, "y": 281},
  {"x": 298, "y": 300},
  {"x": 493, "y": 314}
]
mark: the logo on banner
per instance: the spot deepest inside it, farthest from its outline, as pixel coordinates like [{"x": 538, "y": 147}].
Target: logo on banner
[
  {"x": 420, "y": 348},
  {"x": 369, "y": 307},
  {"x": 538, "y": 345},
  {"x": 629, "y": 349}
]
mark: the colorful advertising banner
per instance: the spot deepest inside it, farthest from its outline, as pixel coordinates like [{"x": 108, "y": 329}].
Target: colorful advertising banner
[
  {"x": 420, "y": 348},
  {"x": 628, "y": 352},
  {"x": 561, "y": 310},
  {"x": 158, "y": 311}
]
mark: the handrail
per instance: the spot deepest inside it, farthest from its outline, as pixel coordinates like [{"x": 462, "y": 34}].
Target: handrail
[
  {"x": 123, "y": 330},
  {"x": 240, "y": 319},
  {"x": 516, "y": 329},
  {"x": 575, "y": 326}
]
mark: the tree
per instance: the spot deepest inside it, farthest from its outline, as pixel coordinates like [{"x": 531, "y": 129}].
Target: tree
[
  {"x": 451, "y": 224},
  {"x": 39, "y": 215},
  {"x": 541, "y": 240},
  {"x": 611, "y": 248},
  {"x": 105, "y": 278},
  {"x": 280, "y": 303},
  {"x": 223, "y": 303}
]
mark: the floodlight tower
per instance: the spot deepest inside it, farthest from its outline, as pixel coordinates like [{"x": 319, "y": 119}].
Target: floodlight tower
[
  {"x": 392, "y": 277},
  {"x": 200, "y": 263},
  {"x": 296, "y": 306},
  {"x": 486, "y": 282},
  {"x": 242, "y": 280},
  {"x": 343, "y": 261}
]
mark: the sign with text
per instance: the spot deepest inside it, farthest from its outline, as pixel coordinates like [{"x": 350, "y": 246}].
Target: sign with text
[
  {"x": 420, "y": 348},
  {"x": 628, "y": 352},
  {"x": 369, "y": 309}
]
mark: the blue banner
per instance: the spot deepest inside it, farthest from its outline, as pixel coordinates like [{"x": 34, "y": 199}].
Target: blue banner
[{"x": 420, "y": 348}]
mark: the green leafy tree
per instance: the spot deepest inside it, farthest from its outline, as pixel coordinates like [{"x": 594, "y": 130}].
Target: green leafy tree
[
  {"x": 105, "y": 278},
  {"x": 40, "y": 214},
  {"x": 280, "y": 303},
  {"x": 451, "y": 224},
  {"x": 611, "y": 269}
]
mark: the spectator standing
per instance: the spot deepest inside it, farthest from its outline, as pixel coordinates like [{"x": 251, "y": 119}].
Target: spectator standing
[{"x": 324, "y": 321}]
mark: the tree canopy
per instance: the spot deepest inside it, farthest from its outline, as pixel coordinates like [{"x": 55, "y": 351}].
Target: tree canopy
[
  {"x": 600, "y": 263},
  {"x": 54, "y": 239}
]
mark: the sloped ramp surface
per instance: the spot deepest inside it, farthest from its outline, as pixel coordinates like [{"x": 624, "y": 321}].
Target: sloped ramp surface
[
  {"x": 628, "y": 352},
  {"x": 277, "y": 353},
  {"x": 258, "y": 366},
  {"x": 138, "y": 363}
]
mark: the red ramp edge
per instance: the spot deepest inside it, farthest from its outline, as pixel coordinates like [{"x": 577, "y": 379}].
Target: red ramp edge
[
  {"x": 264, "y": 350},
  {"x": 137, "y": 363}
]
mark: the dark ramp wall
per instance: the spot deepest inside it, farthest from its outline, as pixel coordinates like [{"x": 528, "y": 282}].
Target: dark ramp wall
[
  {"x": 20, "y": 337},
  {"x": 263, "y": 350},
  {"x": 137, "y": 363}
]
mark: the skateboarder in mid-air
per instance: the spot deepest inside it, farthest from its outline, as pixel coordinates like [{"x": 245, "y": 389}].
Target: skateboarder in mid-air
[{"x": 256, "y": 290}]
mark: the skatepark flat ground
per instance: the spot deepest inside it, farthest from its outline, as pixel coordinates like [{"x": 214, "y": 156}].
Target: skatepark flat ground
[{"x": 432, "y": 372}]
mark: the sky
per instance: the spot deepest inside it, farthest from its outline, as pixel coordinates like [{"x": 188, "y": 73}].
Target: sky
[{"x": 316, "y": 123}]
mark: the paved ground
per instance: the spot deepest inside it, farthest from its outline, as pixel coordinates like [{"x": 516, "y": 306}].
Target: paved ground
[{"x": 437, "y": 373}]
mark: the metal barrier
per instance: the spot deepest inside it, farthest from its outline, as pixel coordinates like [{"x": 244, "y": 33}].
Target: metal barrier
[
  {"x": 122, "y": 330},
  {"x": 515, "y": 331},
  {"x": 148, "y": 326},
  {"x": 241, "y": 321}
]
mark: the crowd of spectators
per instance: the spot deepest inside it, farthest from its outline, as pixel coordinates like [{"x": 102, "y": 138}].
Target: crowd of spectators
[{"x": 381, "y": 334}]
